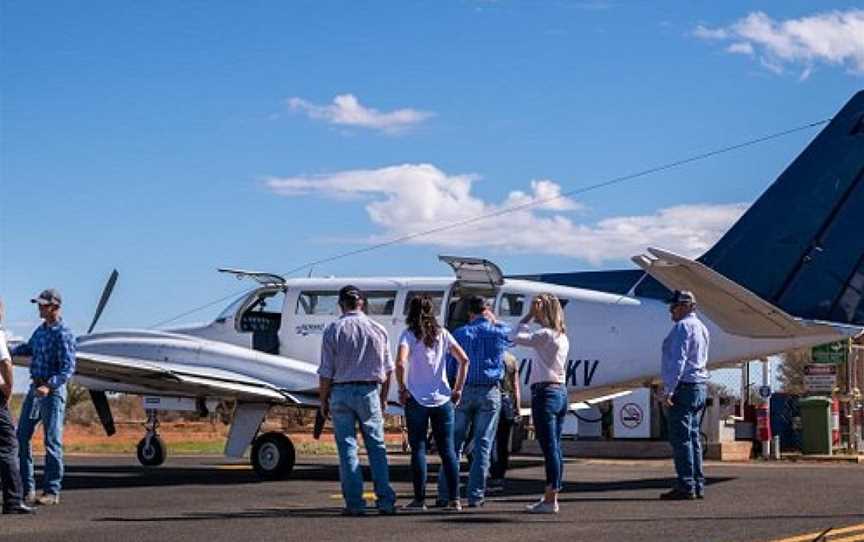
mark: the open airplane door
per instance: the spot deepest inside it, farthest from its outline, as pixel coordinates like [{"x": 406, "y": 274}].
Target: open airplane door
[
  {"x": 266, "y": 279},
  {"x": 474, "y": 276},
  {"x": 475, "y": 272}
]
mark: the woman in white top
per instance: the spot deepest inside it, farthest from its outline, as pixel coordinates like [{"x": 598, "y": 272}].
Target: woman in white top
[
  {"x": 548, "y": 389},
  {"x": 426, "y": 395}
]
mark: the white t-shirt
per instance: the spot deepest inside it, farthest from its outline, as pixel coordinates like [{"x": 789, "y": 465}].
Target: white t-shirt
[
  {"x": 4, "y": 350},
  {"x": 427, "y": 368},
  {"x": 552, "y": 349}
]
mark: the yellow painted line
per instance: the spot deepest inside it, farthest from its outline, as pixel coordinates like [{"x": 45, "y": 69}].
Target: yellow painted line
[
  {"x": 829, "y": 537},
  {"x": 368, "y": 496},
  {"x": 233, "y": 467}
]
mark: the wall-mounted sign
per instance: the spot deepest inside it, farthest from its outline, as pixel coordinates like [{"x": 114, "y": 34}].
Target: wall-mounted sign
[
  {"x": 820, "y": 378},
  {"x": 833, "y": 353}
]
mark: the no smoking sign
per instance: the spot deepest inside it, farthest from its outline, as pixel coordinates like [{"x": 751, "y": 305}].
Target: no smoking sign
[{"x": 631, "y": 415}]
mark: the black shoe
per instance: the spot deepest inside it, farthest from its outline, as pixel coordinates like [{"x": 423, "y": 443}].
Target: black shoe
[
  {"x": 387, "y": 510},
  {"x": 353, "y": 512},
  {"x": 476, "y": 504},
  {"x": 18, "y": 509},
  {"x": 700, "y": 496},
  {"x": 677, "y": 495}
]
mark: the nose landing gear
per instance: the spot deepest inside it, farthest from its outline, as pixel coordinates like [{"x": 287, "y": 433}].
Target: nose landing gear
[{"x": 151, "y": 448}]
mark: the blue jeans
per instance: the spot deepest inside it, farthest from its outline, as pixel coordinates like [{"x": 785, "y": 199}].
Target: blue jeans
[
  {"x": 50, "y": 411},
  {"x": 687, "y": 403},
  {"x": 548, "y": 410},
  {"x": 478, "y": 409},
  {"x": 418, "y": 417},
  {"x": 351, "y": 404}
]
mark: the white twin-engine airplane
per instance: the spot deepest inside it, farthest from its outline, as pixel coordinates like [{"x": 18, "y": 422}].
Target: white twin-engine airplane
[{"x": 798, "y": 251}]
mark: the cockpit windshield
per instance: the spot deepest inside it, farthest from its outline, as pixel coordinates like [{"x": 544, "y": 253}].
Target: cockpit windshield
[{"x": 232, "y": 309}]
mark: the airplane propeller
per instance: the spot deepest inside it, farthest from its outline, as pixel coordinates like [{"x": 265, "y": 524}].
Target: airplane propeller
[
  {"x": 106, "y": 294},
  {"x": 99, "y": 398}
]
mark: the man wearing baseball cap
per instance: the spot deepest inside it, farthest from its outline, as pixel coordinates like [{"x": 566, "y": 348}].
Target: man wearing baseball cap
[
  {"x": 52, "y": 352},
  {"x": 354, "y": 377},
  {"x": 684, "y": 371}
]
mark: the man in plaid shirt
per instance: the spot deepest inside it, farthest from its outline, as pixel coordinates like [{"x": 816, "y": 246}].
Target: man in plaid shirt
[{"x": 52, "y": 352}]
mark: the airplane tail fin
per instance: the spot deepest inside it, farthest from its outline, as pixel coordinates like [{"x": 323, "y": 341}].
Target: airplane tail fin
[{"x": 800, "y": 246}]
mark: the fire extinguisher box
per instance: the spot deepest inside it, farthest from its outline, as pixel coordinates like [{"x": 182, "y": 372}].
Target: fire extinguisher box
[{"x": 815, "y": 425}]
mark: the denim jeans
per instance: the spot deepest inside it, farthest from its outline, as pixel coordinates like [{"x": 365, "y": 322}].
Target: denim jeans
[
  {"x": 50, "y": 411},
  {"x": 548, "y": 409},
  {"x": 351, "y": 404},
  {"x": 500, "y": 458},
  {"x": 687, "y": 403},
  {"x": 10, "y": 475},
  {"x": 478, "y": 409},
  {"x": 418, "y": 417}
]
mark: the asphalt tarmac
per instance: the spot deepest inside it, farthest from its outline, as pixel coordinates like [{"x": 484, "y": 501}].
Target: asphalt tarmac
[{"x": 213, "y": 499}]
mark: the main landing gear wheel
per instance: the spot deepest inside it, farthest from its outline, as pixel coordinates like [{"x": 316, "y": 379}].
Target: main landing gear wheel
[
  {"x": 273, "y": 456},
  {"x": 151, "y": 448}
]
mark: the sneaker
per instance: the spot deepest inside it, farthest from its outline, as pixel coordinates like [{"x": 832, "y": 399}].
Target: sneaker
[
  {"x": 452, "y": 506},
  {"x": 542, "y": 507},
  {"x": 677, "y": 495},
  {"x": 440, "y": 503},
  {"x": 476, "y": 504},
  {"x": 30, "y": 498},
  {"x": 415, "y": 506},
  {"x": 700, "y": 495},
  {"x": 48, "y": 499}
]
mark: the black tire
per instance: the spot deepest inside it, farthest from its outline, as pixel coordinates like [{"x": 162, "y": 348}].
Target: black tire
[
  {"x": 152, "y": 454},
  {"x": 273, "y": 456}
]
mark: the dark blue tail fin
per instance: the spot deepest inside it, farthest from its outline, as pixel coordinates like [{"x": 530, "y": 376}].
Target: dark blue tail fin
[{"x": 801, "y": 244}]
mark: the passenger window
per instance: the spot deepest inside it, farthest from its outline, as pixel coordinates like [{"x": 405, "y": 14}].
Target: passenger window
[
  {"x": 379, "y": 303},
  {"x": 511, "y": 305},
  {"x": 437, "y": 300},
  {"x": 318, "y": 303}
]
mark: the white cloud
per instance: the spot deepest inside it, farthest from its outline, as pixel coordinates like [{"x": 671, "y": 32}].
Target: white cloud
[
  {"x": 741, "y": 48},
  {"x": 346, "y": 110},
  {"x": 834, "y": 38},
  {"x": 412, "y": 198}
]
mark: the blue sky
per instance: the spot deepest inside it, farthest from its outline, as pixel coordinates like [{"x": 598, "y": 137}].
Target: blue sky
[{"x": 168, "y": 140}]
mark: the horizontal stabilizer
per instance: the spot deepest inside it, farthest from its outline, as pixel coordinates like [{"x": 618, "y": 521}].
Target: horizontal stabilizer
[{"x": 732, "y": 307}]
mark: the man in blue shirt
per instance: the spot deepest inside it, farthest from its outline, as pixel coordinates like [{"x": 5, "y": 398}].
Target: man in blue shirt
[
  {"x": 484, "y": 341},
  {"x": 684, "y": 372},
  {"x": 52, "y": 352}
]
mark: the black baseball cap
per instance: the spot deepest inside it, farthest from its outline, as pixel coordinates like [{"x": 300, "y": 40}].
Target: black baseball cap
[
  {"x": 48, "y": 297},
  {"x": 350, "y": 292}
]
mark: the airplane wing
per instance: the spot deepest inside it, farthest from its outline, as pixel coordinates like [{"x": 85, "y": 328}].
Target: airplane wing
[
  {"x": 183, "y": 380},
  {"x": 731, "y": 306}
]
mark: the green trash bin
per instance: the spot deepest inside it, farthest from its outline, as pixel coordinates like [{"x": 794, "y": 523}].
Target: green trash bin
[{"x": 815, "y": 425}]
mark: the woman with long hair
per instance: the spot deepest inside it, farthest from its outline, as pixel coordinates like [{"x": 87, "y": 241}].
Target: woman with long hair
[
  {"x": 426, "y": 395},
  {"x": 548, "y": 389}
]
